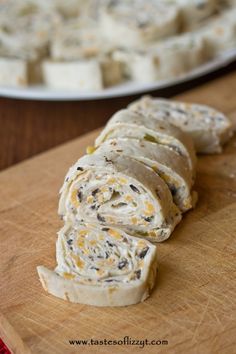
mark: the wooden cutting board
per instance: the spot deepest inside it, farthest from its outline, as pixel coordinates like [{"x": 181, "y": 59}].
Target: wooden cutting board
[{"x": 193, "y": 304}]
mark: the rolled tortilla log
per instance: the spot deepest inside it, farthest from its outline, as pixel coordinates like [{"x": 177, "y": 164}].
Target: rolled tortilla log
[
  {"x": 194, "y": 12},
  {"x": 101, "y": 267},
  {"x": 163, "y": 60},
  {"x": 81, "y": 40},
  {"x": 13, "y": 72},
  {"x": 73, "y": 75},
  {"x": 209, "y": 128},
  {"x": 169, "y": 165},
  {"x": 219, "y": 33},
  {"x": 178, "y": 55},
  {"x": 130, "y": 124},
  {"x": 133, "y": 24},
  {"x": 116, "y": 191}
]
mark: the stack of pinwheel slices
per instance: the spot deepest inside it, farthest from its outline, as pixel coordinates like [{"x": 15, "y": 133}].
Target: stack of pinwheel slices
[{"x": 128, "y": 192}]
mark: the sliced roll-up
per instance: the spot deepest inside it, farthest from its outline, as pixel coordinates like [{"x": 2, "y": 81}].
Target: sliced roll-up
[
  {"x": 219, "y": 33},
  {"x": 13, "y": 72},
  {"x": 100, "y": 266},
  {"x": 169, "y": 165},
  {"x": 163, "y": 60},
  {"x": 209, "y": 128},
  {"x": 130, "y": 124},
  {"x": 81, "y": 40},
  {"x": 27, "y": 37},
  {"x": 73, "y": 75},
  {"x": 178, "y": 55},
  {"x": 194, "y": 12},
  {"x": 117, "y": 191},
  {"x": 77, "y": 39},
  {"x": 130, "y": 24}
]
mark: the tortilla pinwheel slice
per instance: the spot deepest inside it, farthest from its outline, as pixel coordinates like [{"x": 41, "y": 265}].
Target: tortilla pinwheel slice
[
  {"x": 170, "y": 166},
  {"x": 101, "y": 267},
  {"x": 209, "y": 128},
  {"x": 73, "y": 75},
  {"x": 164, "y": 59},
  {"x": 219, "y": 33},
  {"x": 131, "y": 24},
  {"x": 193, "y": 12},
  {"x": 130, "y": 124},
  {"x": 116, "y": 191},
  {"x": 13, "y": 72},
  {"x": 81, "y": 40}
]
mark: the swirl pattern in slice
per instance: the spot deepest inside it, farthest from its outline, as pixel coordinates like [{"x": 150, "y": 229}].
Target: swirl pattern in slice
[
  {"x": 114, "y": 190},
  {"x": 101, "y": 266}
]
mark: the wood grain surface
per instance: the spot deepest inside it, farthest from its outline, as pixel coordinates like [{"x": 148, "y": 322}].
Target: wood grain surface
[
  {"x": 193, "y": 303},
  {"x": 31, "y": 127}
]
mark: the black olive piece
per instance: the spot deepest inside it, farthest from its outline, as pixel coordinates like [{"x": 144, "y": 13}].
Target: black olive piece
[
  {"x": 143, "y": 253},
  {"x": 135, "y": 189},
  {"x": 149, "y": 218},
  {"x": 138, "y": 273},
  {"x": 80, "y": 169},
  {"x": 173, "y": 190},
  {"x": 110, "y": 244},
  {"x": 80, "y": 196},
  {"x": 95, "y": 192},
  {"x": 122, "y": 264},
  {"x": 105, "y": 229},
  {"x": 100, "y": 218},
  {"x": 95, "y": 268},
  {"x": 108, "y": 160},
  {"x": 69, "y": 242}
]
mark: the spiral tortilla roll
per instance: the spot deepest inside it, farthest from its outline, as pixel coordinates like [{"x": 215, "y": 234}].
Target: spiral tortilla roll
[
  {"x": 219, "y": 33},
  {"x": 169, "y": 165},
  {"x": 100, "y": 266},
  {"x": 114, "y": 190},
  {"x": 80, "y": 40},
  {"x": 130, "y": 24},
  {"x": 209, "y": 128},
  {"x": 130, "y": 124},
  {"x": 194, "y": 12},
  {"x": 164, "y": 59}
]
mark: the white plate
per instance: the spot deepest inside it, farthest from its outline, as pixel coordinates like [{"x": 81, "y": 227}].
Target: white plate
[{"x": 124, "y": 89}]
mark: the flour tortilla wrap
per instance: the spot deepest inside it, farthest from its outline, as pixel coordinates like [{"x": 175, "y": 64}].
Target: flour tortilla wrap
[
  {"x": 130, "y": 124},
  {"x": 170, "y": 166},
  {"x": 101, "y": 267},
  {"x": 81, "y": 40},
  {"x": 178, "y": 55},
  {"x": 116, "y": 191},
  {"x": 209, "y": 128},
  {"x": 194, "y": 12},
  {"x": 219, "y": 33},
  {"x": 165, "y": 59},
  {"x": 130, "y": 24},
  {"x": 13, "y": 72},
  {"x": 73, "y": 75}
]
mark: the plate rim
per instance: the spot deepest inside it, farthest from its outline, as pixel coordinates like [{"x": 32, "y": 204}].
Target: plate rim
[{"x": 41, "y": 93}]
